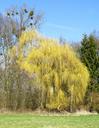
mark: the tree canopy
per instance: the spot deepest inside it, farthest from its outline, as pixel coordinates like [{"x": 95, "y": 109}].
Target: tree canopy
[{"x": 60, "y": 74}]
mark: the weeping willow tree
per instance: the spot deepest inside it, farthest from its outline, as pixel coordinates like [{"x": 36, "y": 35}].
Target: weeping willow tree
[{"x": 62, "y": 78}]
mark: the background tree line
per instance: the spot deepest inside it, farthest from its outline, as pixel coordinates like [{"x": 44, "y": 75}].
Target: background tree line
[{"x": 32, "y": 76}]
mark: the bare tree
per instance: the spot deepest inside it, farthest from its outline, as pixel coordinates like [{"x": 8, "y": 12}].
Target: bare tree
[
  {"x": 24, "y": 18},
  {"x": 12, "y": 24}
]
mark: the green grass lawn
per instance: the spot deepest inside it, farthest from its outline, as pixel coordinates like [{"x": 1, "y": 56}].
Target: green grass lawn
[{"x": 36, "y": 121}]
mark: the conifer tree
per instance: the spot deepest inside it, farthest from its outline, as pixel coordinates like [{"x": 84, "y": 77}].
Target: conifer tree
[{"x": 90, "y": 57}]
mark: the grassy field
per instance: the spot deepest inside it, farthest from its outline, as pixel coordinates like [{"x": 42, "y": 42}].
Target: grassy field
[{"x": 36, "y": 121}]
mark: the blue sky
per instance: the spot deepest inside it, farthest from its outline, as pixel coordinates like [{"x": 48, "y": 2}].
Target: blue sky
[{"x": 63, "y": 18}]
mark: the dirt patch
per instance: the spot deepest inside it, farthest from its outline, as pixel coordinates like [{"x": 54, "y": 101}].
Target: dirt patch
[{"x": 48, "y": 113}]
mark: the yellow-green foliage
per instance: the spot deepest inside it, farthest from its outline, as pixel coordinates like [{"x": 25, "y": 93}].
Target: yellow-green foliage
[{"x": 56, "y": 68}]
